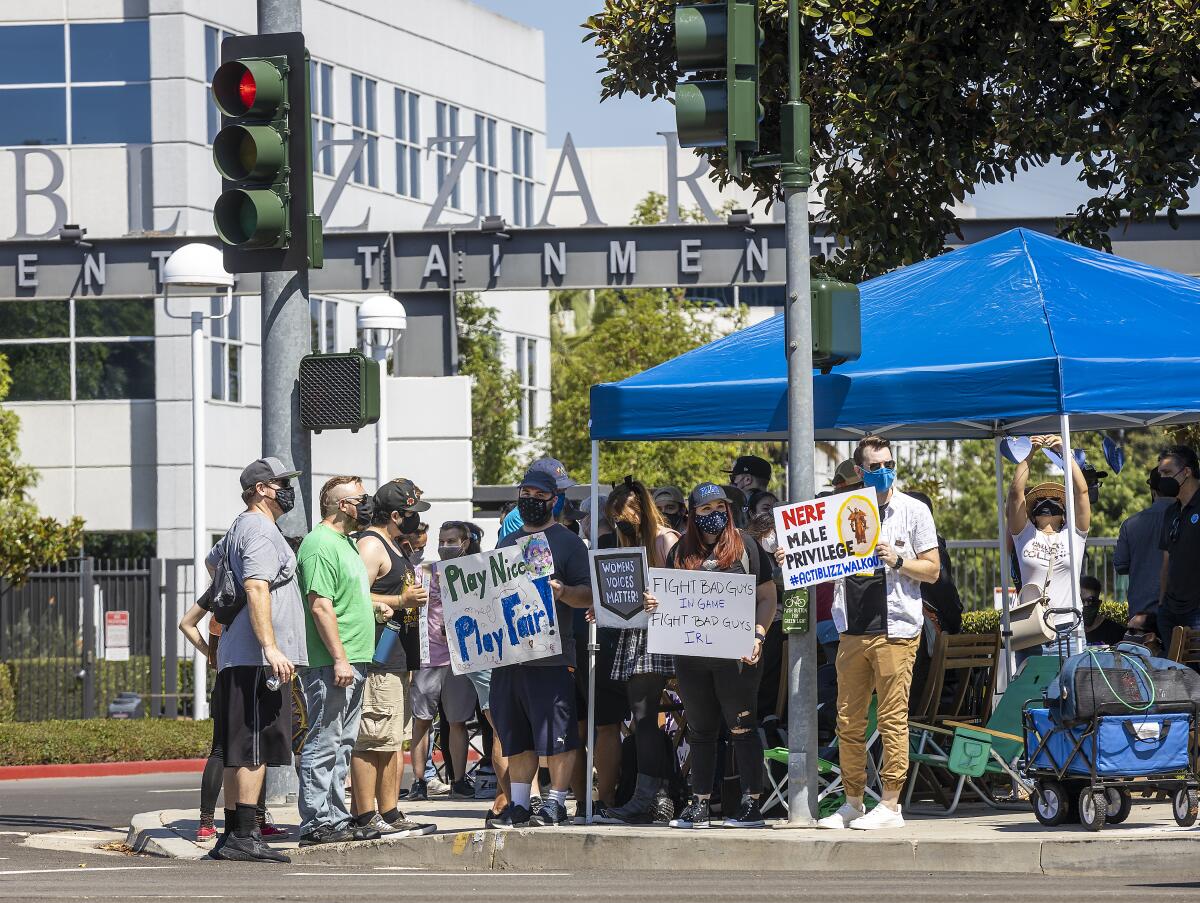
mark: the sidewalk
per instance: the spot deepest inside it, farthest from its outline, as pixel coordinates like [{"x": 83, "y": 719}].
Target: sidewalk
[{"x": 980, "y": 840}]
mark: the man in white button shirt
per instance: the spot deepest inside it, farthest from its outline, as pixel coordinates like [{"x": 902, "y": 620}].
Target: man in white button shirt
[{"x": 878, "y": 617}]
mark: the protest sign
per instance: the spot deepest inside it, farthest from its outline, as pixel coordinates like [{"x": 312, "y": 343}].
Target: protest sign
[
  {"x": 828, "y": 538},
  {"x": 498, "y": 606},
  {"x": 427, "y": 578},
  {"x": 618, "y": 584},
  {"x": 703, "y": 613}
]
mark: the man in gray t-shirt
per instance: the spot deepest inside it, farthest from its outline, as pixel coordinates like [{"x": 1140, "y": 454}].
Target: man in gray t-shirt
[{"x": 257, "y": 656}]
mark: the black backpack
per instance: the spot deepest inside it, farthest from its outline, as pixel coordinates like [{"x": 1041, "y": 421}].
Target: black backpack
[{"x": 225, "y": 596}]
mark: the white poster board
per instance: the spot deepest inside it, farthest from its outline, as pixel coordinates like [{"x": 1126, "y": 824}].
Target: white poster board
[
  {"x": 618, "y": 587},
  {"x": 498, "y": 606},
  {"x": 427, "y": 577},
  {"x": 702, "y": 613},
  {"x": 828, "y": 538}
]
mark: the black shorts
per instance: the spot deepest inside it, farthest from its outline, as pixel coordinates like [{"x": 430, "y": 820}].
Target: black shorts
[
  {"x": 612, "y": 703},
  {"x": 255, "y": 724},
  {"x": 533, "y": 708}
]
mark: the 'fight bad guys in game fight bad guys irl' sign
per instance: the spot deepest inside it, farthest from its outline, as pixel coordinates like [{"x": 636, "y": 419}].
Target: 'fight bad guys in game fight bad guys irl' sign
[
  {"x": 828, "y": 538},
  {"x": 498, "y": 606}
]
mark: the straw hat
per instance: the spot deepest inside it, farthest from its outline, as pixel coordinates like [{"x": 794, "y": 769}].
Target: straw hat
[{"x": 1043, "y": 491}]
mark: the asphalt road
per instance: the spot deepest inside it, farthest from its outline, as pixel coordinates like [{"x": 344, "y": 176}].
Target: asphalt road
[{"x": 65, "y": 804}]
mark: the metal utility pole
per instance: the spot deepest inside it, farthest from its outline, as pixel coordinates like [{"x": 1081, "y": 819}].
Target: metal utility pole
[
  {"x": 795, "y": 177},
  {"x": 286, "y": 338}
]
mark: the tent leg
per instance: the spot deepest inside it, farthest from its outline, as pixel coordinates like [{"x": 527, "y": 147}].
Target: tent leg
[
  {"x": 1005, "y": 568},
  {"x": 1069, "y": 481},
  {"x": 592, "y": 645}
]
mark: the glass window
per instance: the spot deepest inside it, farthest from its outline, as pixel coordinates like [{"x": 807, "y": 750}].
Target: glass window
[
  {"x": 33, "y": 116},
  {"x": 213, "y": 37},
  {"x": 324, "y": 325},
  {"x": 320, "y": 91},
  {"x": 446, "y": 116},
  {"x": 528, "y": 424},
  {"x": 31, "y": 54},
  {"x": 114, "y": 370},
  {"x": 111, "y": 51},
  {"x": 408, "y": 144},
  {"x": 35, "y": 319},
  {"x": 522, "y": 168},
  {"x": 101, "y": 317},
  {"x": 226, "y": 352},
  {"x": 363, "y": 118},
  {"x": 40, "y": 372},
  {"x": 117, "y": 114}
]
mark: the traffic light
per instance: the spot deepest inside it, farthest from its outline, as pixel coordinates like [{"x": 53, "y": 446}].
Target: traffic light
[
  {"x": 338, "y": 391},
  {"x": 836, "y": 323},
  {"x": 719, "y": 39},
  {"x": 263, "y": 152}
]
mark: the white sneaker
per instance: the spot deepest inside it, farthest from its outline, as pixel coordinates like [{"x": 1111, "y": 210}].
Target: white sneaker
[
  {"x": 879, "y": 817},
  {"x": 437, "y": 785},
  {"x": 843, "y": 818}
]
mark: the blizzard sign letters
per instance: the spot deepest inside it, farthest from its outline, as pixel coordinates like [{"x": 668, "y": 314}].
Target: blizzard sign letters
[
  {"x": 498, "y": 606},
  {"x": 828, "y": 538}
]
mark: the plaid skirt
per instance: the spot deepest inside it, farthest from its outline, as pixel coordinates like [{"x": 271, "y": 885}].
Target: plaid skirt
[{"x": 632, "y": 657}]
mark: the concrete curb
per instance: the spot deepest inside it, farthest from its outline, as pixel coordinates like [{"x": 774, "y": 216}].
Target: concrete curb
[
  {"x": 100, "y": 769},
  {"x": 612, "y": 848}
]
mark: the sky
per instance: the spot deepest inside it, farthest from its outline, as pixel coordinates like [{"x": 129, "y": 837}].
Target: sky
[{"x": 573, "y": 105}]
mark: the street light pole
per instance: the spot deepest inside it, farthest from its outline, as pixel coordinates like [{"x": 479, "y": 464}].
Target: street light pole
[
  {"x": 795, "y": 177},
  {"x": 381, "y": 321}
]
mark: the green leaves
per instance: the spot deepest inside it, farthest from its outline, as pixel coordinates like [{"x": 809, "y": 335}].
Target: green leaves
[
  {"x": 913, "y": 102},
  {"x": 495, "y": 392}
]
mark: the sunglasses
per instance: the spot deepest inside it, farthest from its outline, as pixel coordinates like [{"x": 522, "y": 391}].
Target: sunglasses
[
  {"x": 1173, "y": 532},
  {"x": 879, "y": 465},
  {"x": 355, "y": 499},
  {"x": 1090, "y": 600}
]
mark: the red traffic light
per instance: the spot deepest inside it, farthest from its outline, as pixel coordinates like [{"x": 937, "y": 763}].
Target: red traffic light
[{"x": 247, "y": 89}]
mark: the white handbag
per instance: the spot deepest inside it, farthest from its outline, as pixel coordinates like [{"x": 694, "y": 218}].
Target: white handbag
[{"x": 1027, "y": 619}]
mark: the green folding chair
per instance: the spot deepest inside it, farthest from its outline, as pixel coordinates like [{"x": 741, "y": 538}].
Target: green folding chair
[
  {"x": 964, "y": 752},
  {"x": 830, "y": 792}
]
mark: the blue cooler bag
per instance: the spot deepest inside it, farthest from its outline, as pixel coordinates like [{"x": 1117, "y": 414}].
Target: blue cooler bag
[{"x": 1124, "y": 745}]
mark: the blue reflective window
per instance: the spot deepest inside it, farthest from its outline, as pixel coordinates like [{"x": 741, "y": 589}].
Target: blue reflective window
[
  {"x": 111, "y": 115},
  {"x": 31, "y": 54},
  {"x": 111, "y": 52},
  {"x": 33, "y": 116}
]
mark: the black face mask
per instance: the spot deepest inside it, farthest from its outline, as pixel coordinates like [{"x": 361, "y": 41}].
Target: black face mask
[
  {"x": 677, "y": 520},
  {"x": 364, "y": 511},
  {"x": 285, "y": 499},
  {"x": 1168, "y": 487},
  {"x": 628, "y": 530},
  {"x": 534, "y": 511},
  {"x": 1048, "y": 509},
  {"x": 409, "y": 523}
]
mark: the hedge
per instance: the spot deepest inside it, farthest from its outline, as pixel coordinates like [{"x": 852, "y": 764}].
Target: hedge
[
  {"x": 987, "y": 620},
  {"x": 103, "y": 740}
]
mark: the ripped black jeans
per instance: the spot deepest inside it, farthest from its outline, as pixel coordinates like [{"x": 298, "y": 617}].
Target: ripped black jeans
[{"x": 716, "y": 691}]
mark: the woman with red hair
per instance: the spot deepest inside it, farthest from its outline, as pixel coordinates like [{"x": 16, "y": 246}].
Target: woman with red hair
[{"x": 718, "y": 691}]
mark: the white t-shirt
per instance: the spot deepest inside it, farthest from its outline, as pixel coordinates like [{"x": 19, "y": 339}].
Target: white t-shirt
[{"x": 1037, "y": 550}]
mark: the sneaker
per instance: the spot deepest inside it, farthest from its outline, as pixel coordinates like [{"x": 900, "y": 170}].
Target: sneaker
[
  {"x": 418, "y": 791},
  {"x": 410, "y": 828},
  {"x": 552, "y": 814},
  {"x": 362, "y": 832},
  {"x": 515, "y": 817},
  {"x": 436, "y": 786},
  {"x": 247, "y": 849},
  {"x": 846, "y": 816},
  {"x": 664, "y": 809},
  {"x": 326, "y": 834},
  {"x": 694, "y": 815},
  {"x": 879, "y": 817},
  {"x": 462, "y": 790},
  {"x": 270, "y": 830},
  {"x": 749, "y": 815},
  {"x": 535, "y": 805},
  {"x": 378, "y": 824},
  {"x": 205, "y": 833}
]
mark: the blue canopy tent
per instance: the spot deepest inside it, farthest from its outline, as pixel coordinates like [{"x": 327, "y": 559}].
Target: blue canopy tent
[{"x": 1019, "y": 334}]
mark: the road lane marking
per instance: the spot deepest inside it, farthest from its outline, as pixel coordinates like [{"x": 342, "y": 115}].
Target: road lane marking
[
  {"x": 86, "y": 869},
  {"x": 177, "y": 790}
]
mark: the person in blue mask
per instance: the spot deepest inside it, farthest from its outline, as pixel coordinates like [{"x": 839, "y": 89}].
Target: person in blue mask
[
  {"x": 879, "y": 616},
  {"x": 513, "y": 522}
]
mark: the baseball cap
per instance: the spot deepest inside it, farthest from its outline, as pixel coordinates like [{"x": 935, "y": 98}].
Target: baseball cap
[
  {"x": 752, "y": 465},
  {"x": 264, "y": 470},
  {"x": 540, "y": 478},
  {"x": 555, "y": 469},
  {"x": 399, "y": 495},
  {"x": 846, "y": 474},
  {"x": 672, "y": 493},
  {"x": 705, "y": 493}
]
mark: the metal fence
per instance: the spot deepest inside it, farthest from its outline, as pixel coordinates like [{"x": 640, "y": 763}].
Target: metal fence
[
  {"x": 57, "y": 650},
  {"x": 976, "y": 565}
]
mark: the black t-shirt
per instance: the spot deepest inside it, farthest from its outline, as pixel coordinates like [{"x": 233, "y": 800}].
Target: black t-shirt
[
  {"x": 757, "y": 561},
  {"x": 866, "y": 604},
  {"x": 1107, "y": 632},
  {"x": 1180, "y": 539}
]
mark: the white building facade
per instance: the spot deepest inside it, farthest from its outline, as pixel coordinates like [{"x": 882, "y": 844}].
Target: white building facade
[{"x": 108, "y": 124}]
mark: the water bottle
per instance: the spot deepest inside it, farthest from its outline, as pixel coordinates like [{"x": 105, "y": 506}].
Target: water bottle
[{"x": 387, "y": 642}]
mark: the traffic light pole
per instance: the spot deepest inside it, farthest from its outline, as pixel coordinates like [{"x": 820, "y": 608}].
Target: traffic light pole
[
  {"x": 286, "y": 338},
  {"x": 795, "y": 176}
]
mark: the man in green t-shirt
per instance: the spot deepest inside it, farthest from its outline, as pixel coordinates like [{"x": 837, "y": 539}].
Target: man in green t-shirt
[{"x": 340, "y": 624}]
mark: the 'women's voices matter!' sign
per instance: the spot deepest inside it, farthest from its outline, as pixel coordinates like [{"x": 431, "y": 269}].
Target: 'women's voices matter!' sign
[{"x": 619, "y": 586}]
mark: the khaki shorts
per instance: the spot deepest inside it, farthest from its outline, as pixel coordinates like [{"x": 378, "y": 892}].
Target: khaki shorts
[{"x": 386, "y": 717}]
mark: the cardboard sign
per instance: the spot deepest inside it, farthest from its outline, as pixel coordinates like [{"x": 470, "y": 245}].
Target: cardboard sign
[
  {"x": 828, "y": 538},
  {"x": 498, "y": 606},
  {"x": 703, "y": 613},
  {"x": 618, "y": 585}
]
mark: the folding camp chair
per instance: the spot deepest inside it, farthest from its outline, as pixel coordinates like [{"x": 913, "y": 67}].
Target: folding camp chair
[
  {"x": 1185, "y": 646},
  {"x": 829, "y": 774},
  {"x": 964, "y": 752}
]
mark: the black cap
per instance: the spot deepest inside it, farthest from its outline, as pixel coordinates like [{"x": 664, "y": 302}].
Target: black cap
[
  {"x": 264, "y": 470},
  {"x": 399, "y": 495},
  {"x": 753, "y": 465}
]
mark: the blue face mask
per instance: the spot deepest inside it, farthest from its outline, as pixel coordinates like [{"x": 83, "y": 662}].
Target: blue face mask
[
  {"x": 880, "y": 480},
  {"x": 713, "y": 523},
  {"x": 559, "y": 503}
]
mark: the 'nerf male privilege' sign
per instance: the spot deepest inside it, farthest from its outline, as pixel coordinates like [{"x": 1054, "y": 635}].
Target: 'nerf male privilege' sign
[
  {"x": 828, "y": 538},
  {"x": 498, "y": 606}
]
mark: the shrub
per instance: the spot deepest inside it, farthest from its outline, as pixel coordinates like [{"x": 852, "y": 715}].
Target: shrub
[
  {"x": 8, "y": 704},
  {"x": 987, "y": 620},
  {"x": 50, "y": 687},
  {"x": 103, "y": 740}
]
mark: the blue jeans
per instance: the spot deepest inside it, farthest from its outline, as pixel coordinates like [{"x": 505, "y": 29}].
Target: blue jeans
[{"x": 333, "y": 714}]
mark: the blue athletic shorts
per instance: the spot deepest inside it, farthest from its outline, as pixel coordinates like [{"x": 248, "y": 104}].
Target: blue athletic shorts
[{"x": 533, "y": 708}]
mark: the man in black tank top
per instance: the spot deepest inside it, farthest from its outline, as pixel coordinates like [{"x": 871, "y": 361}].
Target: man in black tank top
[{"x": 375, "y": 766}]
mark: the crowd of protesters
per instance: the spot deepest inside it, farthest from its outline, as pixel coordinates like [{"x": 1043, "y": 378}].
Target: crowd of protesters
[{"x": 336, "y": 661}]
